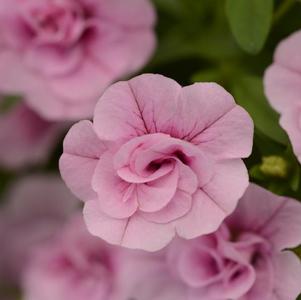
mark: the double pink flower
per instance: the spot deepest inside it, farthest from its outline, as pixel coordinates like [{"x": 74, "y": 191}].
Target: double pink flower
[
  {"x": 158, "y": 160},
  {"x": 62, "y": 54}
]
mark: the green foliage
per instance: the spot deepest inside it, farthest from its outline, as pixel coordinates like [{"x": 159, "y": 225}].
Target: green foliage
[
  {"x": 248, "y": 92},
  {"x": 250, "y": 22},
  {"x": 8, "y": 102}
]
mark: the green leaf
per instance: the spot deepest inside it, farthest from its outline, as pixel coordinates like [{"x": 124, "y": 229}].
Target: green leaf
[
  {"x": 8, "y": 102},
  {"x": 250, "y": 22},
  {"x": 207, "y": 75},
  {"x": 248, "y": 92}
]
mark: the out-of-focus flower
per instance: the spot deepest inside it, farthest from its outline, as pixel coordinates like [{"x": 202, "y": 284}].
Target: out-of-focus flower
[
  {"x": 158, "y": 160},
  {"x": 282, "y": 83},
  {"x": 75, "y": 265},
  {"x": 61, "y": 54},
  {"x": 36, "y": 208},
  {"x": 25, "y": 138},
  {"x": 245, "y": 258}
]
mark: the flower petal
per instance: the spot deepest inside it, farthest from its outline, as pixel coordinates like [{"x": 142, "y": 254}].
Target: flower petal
[
  {"x": 155, "y": 195},
  {"x": 229, "y": 137},
  {"x": 145, "y": 104},
  {"x": 117, "y": 198},
  {"x": 179, "y": 205},
  {"x": 282, "y": 87},
  {"x": 204, "y": 217},
  {"x": 288, "y": 276},
  {"x": 145, "y": 235},
  {"x": 211, "y": 119},
  {"x": 276, "y": 218},
  {"x": 121, "y": 50},
  {"x": 82, "y": 149},
  {"x": 288, "y": 52},
  {"x": 87, "y": 83},
  {"x": 228, "y": 184},
  {"x": 291, "y": 123},
  {"x": 103, "y": 226},
  {"x": 133, "y": 13}
]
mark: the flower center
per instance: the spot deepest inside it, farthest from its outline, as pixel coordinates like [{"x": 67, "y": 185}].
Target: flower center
[{"x": 51, "y": 23}]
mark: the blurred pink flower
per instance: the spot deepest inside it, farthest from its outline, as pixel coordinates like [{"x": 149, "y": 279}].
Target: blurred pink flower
[
  {"x": 75, "y": 265},
  {"x": 36, "y": 208},
  {"x": 61, "y": 54},
  {"x": 245, "y": 258},
  {"x": 25, "y": 138},
  {"x": 158, "y": 160},
  {"x": 282, "y": 83}
]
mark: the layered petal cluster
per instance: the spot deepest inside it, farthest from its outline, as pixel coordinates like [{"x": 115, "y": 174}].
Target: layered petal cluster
[
  {"x": 245, "y": 258},
  {"x": 32, "y": 138},
  {"x": 158, "y": 160},
  {"x": 282, "y": 82},
  {"x": 36, "y": 207},
  {"x": 62, "y": 54},
  {"x": 75, "y": 265}
]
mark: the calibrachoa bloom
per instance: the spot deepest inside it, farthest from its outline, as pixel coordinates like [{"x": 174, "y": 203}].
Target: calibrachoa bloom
[
  {"x": 245, "y": 258},
  {"x": 25, "y": 138},
  {"x": 61, "y": 54},
  {"x": 36, "y": 208},
  {"x": 158, "y": 160},
  {"x": 75, "y": 265},
  {"x": 282, "y": 83}
]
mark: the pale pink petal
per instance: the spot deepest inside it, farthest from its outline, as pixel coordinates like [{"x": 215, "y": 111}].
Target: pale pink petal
[
  {"x": 87, "y": 83},
  {"x": 129, "y": 14},
  {"x": 82, "y": 149},
  {"x": 179, "y": 205},
  {"x": 133, "y": 159},
  {"x": 13, "y": 76},
  {"x": 232, "y": 133},
  {"x": 265, "y": 279},
  {"x": 204, "y": 217},
  {"x": 158, "y": 286},
  {"x": 181, "y": 202},
  {"x": 142, "y": 234},
  {"x": 188, "y": 181},
  {"x": 212, "y": 121},
  {"x": 228, "y": 184},
  {"x": 51, "y": 60},
  {"x": 145, "y": 104},
  {"x": 287, "y": 276},
  {"x": 198, "y": 266},
  {"x": 121, "y": 50},
  {"x": 291, "y": 123},
  {"x": 282, "y": 87},
  {"x": 155, "y": 195},
  {"x": 276, "y": 218},
  {"x": 33, "y": 139},
  {"x": 288, "y": 52},
  {"x": 99, "y": 224},
  {"x": 134, "y": 232},
  {"x": 116, "y": 197}
]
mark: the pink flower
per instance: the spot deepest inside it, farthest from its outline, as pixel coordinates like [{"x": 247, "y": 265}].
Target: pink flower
[
  {"x": 75, "y": 265},
  {"x": 61, "y": 54},
  {"x": 25, "y": 138},
  {"x": 245, "y": 258},
  {"x": 282, "y": 82},
  {"x": 158, "y": 160},
  {"x": 36, "y": 208}
]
